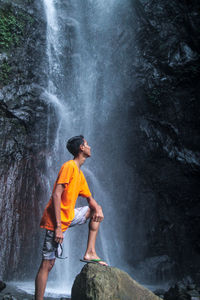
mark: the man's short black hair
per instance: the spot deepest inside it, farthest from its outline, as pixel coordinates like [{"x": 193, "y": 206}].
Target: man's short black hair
[{"x": 73, "y": 144}]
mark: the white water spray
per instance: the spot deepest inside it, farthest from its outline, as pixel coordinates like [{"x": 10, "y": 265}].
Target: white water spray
[{"x": 82, "y": 88}]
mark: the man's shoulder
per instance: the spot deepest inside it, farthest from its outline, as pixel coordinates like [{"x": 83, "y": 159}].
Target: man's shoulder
[{"x": 69, "y": 163}]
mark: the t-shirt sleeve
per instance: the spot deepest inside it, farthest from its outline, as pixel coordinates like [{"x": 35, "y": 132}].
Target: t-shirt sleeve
[
  {"x": 65, "y": 174},
  {"x": 84, "y": 190}
]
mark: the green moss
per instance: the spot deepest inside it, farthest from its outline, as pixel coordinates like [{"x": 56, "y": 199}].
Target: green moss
[
  {"x": 12, "y": 27},
  {"x": 4, "y": 72}
]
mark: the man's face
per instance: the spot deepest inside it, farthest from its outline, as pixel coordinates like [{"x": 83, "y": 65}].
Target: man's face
[{"x": 86, "y": 149}]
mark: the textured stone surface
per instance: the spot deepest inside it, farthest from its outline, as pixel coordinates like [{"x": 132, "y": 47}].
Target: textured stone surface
[
  {"x": 165, "y": 133},
  {"x": 97, "y": 282},
  {"x": 185, "y": 289},
  {"x": 23, "y": 123},
  {"x": 2, "y": 285}
]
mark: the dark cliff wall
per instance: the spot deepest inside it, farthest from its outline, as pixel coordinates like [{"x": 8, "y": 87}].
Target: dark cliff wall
[
  {"x": 166, "y": 121},
  {"x": 23, "y": 123}
]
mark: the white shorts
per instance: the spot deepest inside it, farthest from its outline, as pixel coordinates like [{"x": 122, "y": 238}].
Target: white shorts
[
  {"x": 80, "y": 213},
  {"x": 50, "y": 246}
]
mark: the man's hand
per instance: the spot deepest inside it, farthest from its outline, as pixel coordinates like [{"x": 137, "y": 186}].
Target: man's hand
[
  {"x": 56, "y": 202},
  {"x": 98, "y": 214},
  {"x": 58, "y": 235}
]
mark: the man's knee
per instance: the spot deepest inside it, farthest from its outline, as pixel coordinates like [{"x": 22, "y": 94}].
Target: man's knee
[
  {"x": 90, "y": 213},
  {"x": 48, "y": 264}
]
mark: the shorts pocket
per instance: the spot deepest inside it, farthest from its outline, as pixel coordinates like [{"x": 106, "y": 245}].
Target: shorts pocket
[{"x": 50, "y": 244}]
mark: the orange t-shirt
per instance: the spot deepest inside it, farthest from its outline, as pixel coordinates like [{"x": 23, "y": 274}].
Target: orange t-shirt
[{"x": 75, "y": 185}]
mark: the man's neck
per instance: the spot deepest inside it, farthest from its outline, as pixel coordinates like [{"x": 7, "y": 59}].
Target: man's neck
[{"x": 79, "y": 160}]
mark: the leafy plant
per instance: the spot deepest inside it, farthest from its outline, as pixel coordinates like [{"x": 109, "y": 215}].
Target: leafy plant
[
  {"x": 4, "y": 72},
  {"x": 11, "y": 28}
]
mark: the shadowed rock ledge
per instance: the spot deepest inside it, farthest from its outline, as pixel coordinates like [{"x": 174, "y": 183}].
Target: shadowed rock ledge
[{"x": 107, "y": 283}]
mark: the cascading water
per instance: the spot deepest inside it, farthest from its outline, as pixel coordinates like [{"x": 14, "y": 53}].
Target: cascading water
[{"x": 85, "y": 89}]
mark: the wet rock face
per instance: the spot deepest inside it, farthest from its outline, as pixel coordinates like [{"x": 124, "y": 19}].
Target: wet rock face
[
  {"x": 183, "y": 290},
  {"x": 23, "y": 122},
  {"x": 2, "y": 285},
  {"x": 166, "y": 124}
]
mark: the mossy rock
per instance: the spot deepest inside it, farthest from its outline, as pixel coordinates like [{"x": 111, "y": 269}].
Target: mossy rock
[
  {"x": 4, "y": 72},
  {"x": 96, "y": 282},
  {"x": 13, "y": 23}
]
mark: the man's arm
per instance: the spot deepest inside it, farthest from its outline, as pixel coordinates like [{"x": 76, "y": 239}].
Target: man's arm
[
  {"x": 56, "y": 202},
  {"x": 97, "y": 213}
]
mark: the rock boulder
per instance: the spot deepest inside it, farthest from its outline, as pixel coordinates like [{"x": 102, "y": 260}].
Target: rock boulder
[
  {"x": 108, "y": 283},
  {"x": 2, "y": 285}
]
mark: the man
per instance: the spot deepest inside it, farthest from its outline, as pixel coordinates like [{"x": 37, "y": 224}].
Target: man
[{"x": 60, "y": 212}]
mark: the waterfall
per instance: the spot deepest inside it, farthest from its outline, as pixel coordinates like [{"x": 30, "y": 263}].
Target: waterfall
[{"x": 85, "y": 48}]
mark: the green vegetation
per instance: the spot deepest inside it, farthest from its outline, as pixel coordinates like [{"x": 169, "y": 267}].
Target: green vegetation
[
  {"x": 12, "y": 27},
  {"x": 10, "y": 30},
  {"x": 4, "y": 72}
]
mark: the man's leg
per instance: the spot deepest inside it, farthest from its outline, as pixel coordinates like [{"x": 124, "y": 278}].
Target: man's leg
[
  {"x": 48, "y": 260},
  {"x": 42, "y": 276},
  {"x": 92, "y": 235}
]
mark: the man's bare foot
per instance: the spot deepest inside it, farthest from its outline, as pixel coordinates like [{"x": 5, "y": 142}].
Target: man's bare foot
[{"x": 95, "y": 259}]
